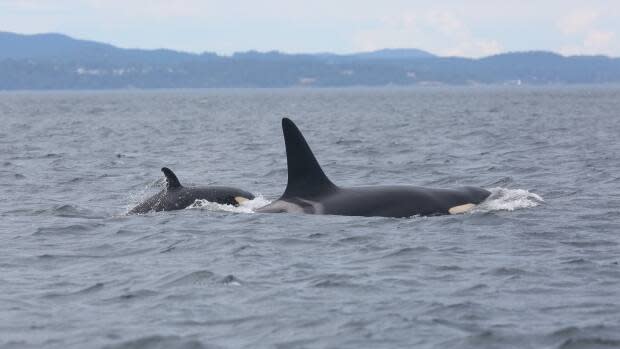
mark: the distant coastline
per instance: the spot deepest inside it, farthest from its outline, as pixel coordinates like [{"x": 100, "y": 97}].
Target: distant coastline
[{"x": 59, "y": 62}]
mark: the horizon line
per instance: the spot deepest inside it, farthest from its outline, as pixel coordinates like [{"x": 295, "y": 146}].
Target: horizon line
[{"x": 304, "y": 53}]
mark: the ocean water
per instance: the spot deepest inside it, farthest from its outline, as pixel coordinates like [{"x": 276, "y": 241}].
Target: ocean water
[{"x": 535, "y": 266}]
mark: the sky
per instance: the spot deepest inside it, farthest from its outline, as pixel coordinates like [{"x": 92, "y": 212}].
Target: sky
[{"x": 469, "y": 28}]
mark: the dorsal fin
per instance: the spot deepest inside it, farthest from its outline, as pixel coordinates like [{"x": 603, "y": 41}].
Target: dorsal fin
[
  {"x": 305, "y": 176},
  {"x": 171, "y": 178}
]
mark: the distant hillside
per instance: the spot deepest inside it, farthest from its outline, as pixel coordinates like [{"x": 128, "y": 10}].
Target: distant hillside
[
  {"x": 394, "y": 53},
  {"x": 55, "y": 61},
  {"x": 58, "y": 47}
]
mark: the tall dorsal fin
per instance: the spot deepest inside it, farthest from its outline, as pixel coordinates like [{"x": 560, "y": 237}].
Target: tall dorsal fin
[
  {"x": 305, "y": 176},
  {"x": 171, "y": 178}
]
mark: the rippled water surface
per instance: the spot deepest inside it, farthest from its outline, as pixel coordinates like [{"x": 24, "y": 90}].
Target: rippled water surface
[{"x": 534, "y": 267}]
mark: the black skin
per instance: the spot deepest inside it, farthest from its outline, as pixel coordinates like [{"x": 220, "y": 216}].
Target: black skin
[
  {"x": 310, "y": 191},
  {"x": 177, "y": 197},
  {"x": 385, "y": 201}
]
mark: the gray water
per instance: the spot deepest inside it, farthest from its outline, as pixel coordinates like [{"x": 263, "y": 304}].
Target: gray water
[{"x": 536, "y": 266}]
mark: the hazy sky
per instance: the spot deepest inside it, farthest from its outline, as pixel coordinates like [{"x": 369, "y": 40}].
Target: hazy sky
[{"x": 447, "y": 27}]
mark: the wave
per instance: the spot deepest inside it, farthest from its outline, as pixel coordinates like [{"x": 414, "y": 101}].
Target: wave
[
  {"x": 158, "y": 341},
  {"x": 245, "y": 207},
  {"x": 504, "y": 199}
]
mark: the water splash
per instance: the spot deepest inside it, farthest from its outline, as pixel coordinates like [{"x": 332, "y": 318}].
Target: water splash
[
  {"x": 504, "y": 199},
  {"x": 138, "y": 196},
  {"x": 245, "y": 207}
]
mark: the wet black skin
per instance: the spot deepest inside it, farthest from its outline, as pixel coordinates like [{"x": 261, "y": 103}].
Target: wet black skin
[
  {"x": 177, "y": 197},
  {"x": 389, "y": 201},
  {"x": 309, "y": 191}
]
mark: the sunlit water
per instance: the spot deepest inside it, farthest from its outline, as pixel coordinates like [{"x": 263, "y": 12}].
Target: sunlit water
[{"x": 535, "y": 266}]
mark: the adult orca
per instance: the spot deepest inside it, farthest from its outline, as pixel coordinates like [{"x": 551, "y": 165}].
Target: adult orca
[
  {"x": 177, "y": 197},
  {"x": 310, "y": 191}
]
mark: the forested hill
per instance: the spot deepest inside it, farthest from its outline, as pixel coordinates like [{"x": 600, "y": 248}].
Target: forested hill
[{"x": 55, "y": 61}]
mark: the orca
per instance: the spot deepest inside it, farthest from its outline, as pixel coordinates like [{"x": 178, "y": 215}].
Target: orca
[
  {"x": 177, "y": 197},
  {"x": 310, "y": 191}
]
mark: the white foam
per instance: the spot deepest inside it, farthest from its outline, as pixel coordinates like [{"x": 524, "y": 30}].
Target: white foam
[
  {"x": 244, "y": 207},
  {"x": 504, "y": 199},
  {"x": 137, "y": 197}
]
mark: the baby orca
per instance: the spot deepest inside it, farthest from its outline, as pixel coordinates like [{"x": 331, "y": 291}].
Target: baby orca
[
  {"x": 310, "y": 191},
  {"x": 177, "y": 197}
]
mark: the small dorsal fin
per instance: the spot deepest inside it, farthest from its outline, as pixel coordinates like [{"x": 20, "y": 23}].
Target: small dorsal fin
[
  {"x": 171, "y": 178},
  {"x": 305, "y": 176}
]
